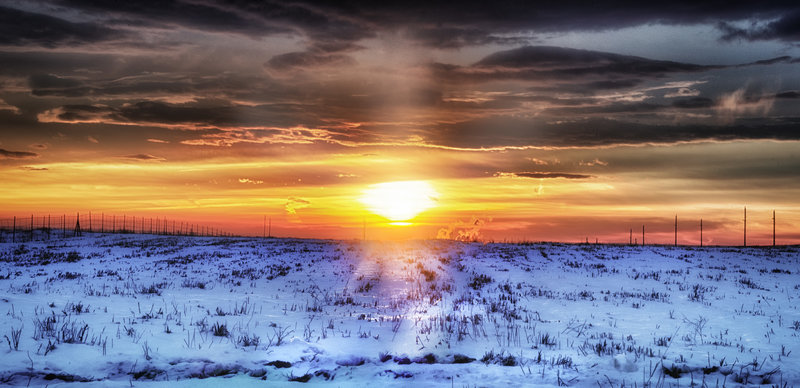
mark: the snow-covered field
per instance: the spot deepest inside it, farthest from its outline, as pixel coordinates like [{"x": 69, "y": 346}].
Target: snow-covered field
[{"x": 122, "y": 310}]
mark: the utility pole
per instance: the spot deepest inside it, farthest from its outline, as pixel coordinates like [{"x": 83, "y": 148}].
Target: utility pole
[
  {"x": 642, "y": 235},
  {"x": 701, "y": 232},
  {"x": 264, "y": 232},
  {"x": 269, "y": 232},
  {"x": 745, "y": 226},
  {"x": 14, "y": 231},
  {"x": 773, "y": 228},
  {"x": 630, "y": 238},
  {"x": 676, "y": 230},
  {"x": 90, "y": 222}
]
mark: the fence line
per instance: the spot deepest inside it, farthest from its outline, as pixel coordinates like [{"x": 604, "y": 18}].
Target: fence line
[{"x": 46, "y": 227}]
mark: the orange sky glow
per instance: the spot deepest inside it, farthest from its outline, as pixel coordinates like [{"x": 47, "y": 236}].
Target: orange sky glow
[{"x": 521, "y": 124}]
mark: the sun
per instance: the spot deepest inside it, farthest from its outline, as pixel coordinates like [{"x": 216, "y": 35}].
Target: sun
[{"x": 399, "y": 201}]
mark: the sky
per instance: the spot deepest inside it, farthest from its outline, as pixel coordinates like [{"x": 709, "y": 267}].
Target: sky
[{"x": 513, "y": 121}]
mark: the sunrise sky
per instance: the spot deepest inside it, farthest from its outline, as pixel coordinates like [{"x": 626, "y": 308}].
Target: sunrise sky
[{"x": 517, "y": 121}]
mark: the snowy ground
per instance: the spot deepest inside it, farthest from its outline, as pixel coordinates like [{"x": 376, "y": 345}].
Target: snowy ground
[{"x": 122, "y": 310}]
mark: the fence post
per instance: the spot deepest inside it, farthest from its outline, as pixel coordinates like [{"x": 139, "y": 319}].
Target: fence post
[{"x": 77, "y": 224}]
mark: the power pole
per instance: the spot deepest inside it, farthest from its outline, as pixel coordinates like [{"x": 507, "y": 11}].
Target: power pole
[
  {"x": 745, "y": 226},
  {"x": 676, "y": 230},
  {"x": 264, "y": 232},
  {"x": 701, "y": 232},
  {"x": 630, "y": 238},
  {"x": 773, "y": 228},
  {"x": 642, "y": 235},
  {"x": 14, "y": 231},
  {"x": 269, "y": 232},
  {"x": 90, "y": 222}
]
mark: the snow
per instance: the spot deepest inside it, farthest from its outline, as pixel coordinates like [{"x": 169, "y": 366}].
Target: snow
[{"x": 158, "y": 311}]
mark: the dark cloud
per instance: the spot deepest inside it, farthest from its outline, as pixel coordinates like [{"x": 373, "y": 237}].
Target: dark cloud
[
  {"x": 788, "y": 94},
  {"x": 29, "y": 168},
  {"x": 772, "y": 61},
  {"x": 693, "y": 103},
  {"x": 196, "y": 115},
  {"x": 455, "y": 37},
  {"x": 567, "y": 61},
  {"x": 636, "y": 107},
  {"x": 786, "y": 28},
  {"x": 207, "y": 16},
  {"x": 506, "y": 131},
  {"x": 6, "y": 154},
  {"x": 329, "y": 26},
  {"x": 559, "y": 63},
  {"x": 144, "y": 157},
  {"x": 549, "y": 175},
  {"x": 610, "y": 84},
  {"x": 306, "y": 60},
  {"x": 451, "y": 24},
  {"x": 21, "y": 28}
]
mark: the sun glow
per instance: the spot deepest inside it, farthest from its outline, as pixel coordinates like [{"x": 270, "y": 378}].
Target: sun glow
[{"x": 399, "y": 201}]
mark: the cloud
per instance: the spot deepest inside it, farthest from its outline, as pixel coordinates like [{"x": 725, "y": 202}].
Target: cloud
[
  {"x": 5, "y": 106},
  {"x": 543, "y": 175},
  {"x": 6, "y": 154},
  {"x": 458, "y": 37},
  {"x": 22, "y": 28},
  {"x": 593, "y": 163},
  {"x": 683, "y": 92},
  {"x": 574, "y": 62},
  {"x": 294, "y": 203},
  {"x": 739, "y": 103},
  {"x": 786, "y": 28},
  {"x": 206, "y": 16},
  {"x": 151, "y": 140},
  {"x": 442, "y": 25},
  {"x": 790, "y": 94},
  {"x": 304, "y": 60},
  {"x": 143, "y": 157},
  {"x": 29, "y": 168},
  {"x": 199, "y": 115},
  {"x": 504, "y": 132},
  {"x": 693, "y": 103},
  {"x": 250, "y": 181}
]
